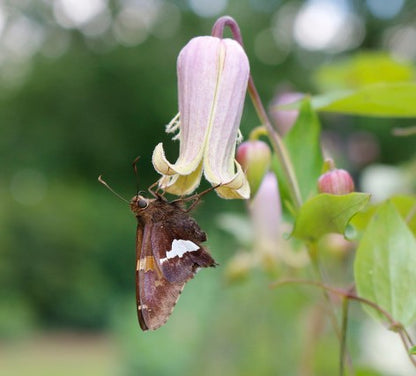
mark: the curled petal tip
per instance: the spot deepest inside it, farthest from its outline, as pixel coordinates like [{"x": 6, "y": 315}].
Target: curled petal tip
[
  {"x": 181, "y": 185},
  {"x": 160, "y": 163}
]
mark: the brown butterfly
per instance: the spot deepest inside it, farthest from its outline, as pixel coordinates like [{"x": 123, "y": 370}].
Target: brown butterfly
[{"x": 168, "y": 254}]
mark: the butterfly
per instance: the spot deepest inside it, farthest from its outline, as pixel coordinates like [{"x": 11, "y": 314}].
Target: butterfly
[{"x": 168, "y": 254}]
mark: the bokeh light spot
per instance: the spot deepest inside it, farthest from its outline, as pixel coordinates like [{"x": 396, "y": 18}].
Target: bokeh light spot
[
  {"x": 385, "y": 9},
  {"x": 75, "y": 13},
  {"x": 327, "y": 25},
  {"x": 208, "y": 8}
]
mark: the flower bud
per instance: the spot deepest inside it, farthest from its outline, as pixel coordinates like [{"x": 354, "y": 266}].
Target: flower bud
[
  {"x": 254, "y": 157},
  {"x": 336, "y": 181},
  {"x": 284, "y": 119}
]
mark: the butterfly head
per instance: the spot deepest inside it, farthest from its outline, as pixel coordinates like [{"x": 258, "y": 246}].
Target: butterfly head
[{"x": 139, "y": 204}]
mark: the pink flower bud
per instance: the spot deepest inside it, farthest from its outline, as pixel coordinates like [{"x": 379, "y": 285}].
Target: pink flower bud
[
  {"x": 336, "y": 181},
  {"x": 284, "y": 119},
  {"x": 266, "y": 213},
  {"x": 254, "y": 157}
]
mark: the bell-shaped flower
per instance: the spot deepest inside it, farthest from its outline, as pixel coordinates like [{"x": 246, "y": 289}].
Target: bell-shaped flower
[{"x": 212, "y": 81}]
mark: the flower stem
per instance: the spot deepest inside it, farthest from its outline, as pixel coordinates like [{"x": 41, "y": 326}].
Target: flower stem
[
  {"x": 257, "y": 132},
  {"x": 313, "y": 254},
  {"x": 277, "y": 143},
  {"x": 344, "y": 328}
]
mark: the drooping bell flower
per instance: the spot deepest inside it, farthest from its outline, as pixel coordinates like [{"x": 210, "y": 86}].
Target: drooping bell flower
[{"x": 212, "y": 81}]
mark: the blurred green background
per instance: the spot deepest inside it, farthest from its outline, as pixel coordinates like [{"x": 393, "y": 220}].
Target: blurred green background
[{"x": 88, "y": 85}]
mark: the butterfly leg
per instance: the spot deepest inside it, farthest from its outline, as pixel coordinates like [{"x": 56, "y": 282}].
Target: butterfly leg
[
  {"x": 155, "y": 192},
  {"x": 151, "y": 191},
  {"x": 197, "y": 197}
]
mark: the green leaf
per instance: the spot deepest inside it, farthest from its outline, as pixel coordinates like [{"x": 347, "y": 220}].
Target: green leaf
[
  {"x": 378, "y": 100},
  {"x": 303, "y": 145},
  {"x": 367, "y": 372},
  {"x": 385, "y": 266},
  {"x": 412, "y": 350},
  {"x": 386, "y": 100},
  {"x": 363, "y": 69},
  {"x": 404, "y": 205},
  {"x": 326, "y": 213}
]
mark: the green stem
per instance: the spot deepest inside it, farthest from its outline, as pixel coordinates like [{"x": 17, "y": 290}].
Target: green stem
[
  {"x": 313, "y": 254},
  {"x": 257, "y": 132},
  {"x": 277, "y": 143},
  {"x": 343, "y": 349}
]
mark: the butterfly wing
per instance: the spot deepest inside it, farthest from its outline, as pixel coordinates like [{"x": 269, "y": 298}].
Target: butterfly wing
[
  {"x": 139, "y": 243},
  {"x": 177, "y": 249},
  {"x": 168, "y": 255},
  {"x": 155, "y": 295}
]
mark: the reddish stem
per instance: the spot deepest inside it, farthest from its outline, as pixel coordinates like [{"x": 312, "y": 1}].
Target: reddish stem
[{"x": 277, "y": 143}]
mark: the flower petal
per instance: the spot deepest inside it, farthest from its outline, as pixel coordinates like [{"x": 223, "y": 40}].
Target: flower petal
[
  {"x": 219, "y": 164},
  {"x": 237, "y": 187},
  {"x": 164, "y": 167},
  {"x": 181, "y": 184},
  {"x": 197, "y": 69}
]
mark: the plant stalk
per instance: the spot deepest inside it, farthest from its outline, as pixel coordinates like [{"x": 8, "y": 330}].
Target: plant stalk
[
  {"x": 276, "y": 141},
  {"x": 344, "y": 327}
]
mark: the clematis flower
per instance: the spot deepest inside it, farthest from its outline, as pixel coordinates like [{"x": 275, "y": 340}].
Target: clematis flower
[{"x": 212, "y": 81}]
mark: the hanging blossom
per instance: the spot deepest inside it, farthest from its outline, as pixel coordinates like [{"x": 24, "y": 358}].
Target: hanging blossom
[{"x": 212, "y": 81}]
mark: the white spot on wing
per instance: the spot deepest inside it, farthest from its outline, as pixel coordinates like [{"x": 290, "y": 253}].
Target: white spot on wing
[{"x": 179, "y": 248}]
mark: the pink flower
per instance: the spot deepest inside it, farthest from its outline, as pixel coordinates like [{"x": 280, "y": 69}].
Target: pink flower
[{"x": 212, "y": 81}]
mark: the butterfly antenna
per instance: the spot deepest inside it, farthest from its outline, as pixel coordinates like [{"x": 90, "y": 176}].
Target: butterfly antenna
[
  {"x": 136, "y": 173},
  {"x": 111, "y": 189}
]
